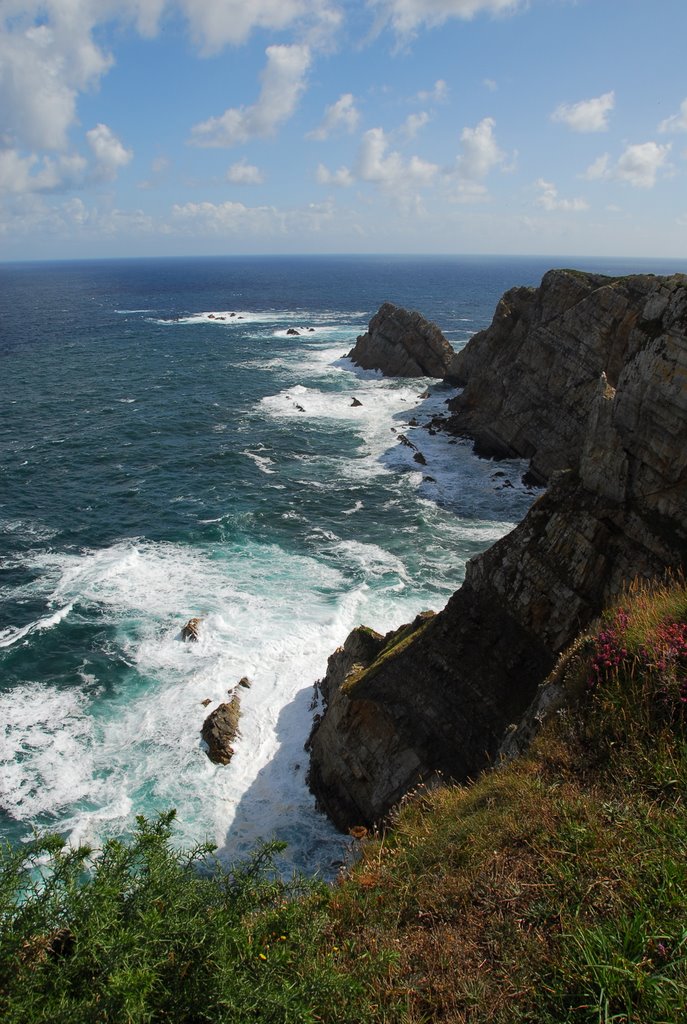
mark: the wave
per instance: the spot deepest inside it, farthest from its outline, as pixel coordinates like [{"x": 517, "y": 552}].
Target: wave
[{"x": 10, "y": 635}]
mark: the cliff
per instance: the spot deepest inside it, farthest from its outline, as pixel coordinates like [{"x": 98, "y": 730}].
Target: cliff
[
  {"x": 586, "y": 376},
  {"x": 402, "y": 343},
  {"x": 531, "y": 378}
]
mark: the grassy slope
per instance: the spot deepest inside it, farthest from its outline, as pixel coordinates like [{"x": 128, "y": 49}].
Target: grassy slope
[{"x": 552, "y": 890}]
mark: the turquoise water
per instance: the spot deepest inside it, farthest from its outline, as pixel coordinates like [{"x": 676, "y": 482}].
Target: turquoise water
[{"x": 158, "y": 463}]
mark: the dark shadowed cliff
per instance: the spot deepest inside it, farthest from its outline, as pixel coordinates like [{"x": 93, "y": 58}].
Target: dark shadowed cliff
[{"x": 587, "y": 377}]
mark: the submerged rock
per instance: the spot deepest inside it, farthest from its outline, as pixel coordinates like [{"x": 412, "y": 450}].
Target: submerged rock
[{"x": 401, "y": 343}]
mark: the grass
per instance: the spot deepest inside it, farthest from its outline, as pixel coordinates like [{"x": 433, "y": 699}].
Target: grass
[{"x": 552, "y": 891}]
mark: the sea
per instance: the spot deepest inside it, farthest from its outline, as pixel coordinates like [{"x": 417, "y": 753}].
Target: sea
[{"x": 178, "y": 439}]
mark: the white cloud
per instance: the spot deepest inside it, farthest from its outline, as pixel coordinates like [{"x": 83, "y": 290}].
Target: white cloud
[
  {"x": 479, "y": 151},
  {"x": 50, "y": 50},
  {"x": 236, "y": 218},
  {"x": 405, "y": 16},
  {"x": 587, "y": 115},
  {"x": 283, "y": 82},
  {"x": 414, "y": 122},
  {"x": 21, "y": 174},
  {"x": 599, "y": 169},
  {"x": 676, "y": 123},
  {"x": 243, "y": 173},
  {"x": 342, "y": 114},
  {"x": 110, "y": 154},
  {"x": 47, "y": 56},
  {"x": 391, "y": 170},
  {"x": 216, "y": 23},
  {"x": 393, "y": 173},
  {"x": 639, "y": 165},
  {"x": 341, "y": 178},
  {"x": 490, "y": 84},
  {"x": 549, "y": 199},
  {"x": 436, "y": 95},
  {"x": 72, "y": 218}
]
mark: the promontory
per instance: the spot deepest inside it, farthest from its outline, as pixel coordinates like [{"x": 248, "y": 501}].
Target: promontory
[{"x": 585, "y": 376}]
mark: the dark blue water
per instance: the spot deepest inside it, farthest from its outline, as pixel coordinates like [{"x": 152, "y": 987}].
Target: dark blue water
[{"x": 158, "y": 462}]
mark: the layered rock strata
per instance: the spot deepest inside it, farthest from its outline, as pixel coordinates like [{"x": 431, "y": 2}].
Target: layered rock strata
[
  {"x": 531, "y": 377},
  {"x": 402, "y": 343},
  {"x": 603, "y": 365}
]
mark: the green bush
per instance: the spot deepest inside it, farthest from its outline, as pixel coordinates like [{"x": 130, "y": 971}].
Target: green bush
[{"x": 144, "y": 933}]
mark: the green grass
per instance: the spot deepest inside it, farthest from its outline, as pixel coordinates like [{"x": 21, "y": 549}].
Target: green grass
[{"x": 552, "y": 891}]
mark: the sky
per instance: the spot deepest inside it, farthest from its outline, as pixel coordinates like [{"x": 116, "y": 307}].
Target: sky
[{"x": 203, "y": 127}]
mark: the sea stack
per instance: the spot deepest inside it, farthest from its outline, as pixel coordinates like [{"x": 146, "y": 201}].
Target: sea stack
[{"x": 402, "y": 343}]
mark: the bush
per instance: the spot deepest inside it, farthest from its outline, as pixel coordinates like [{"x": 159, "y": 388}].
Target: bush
[{"x": 145, "y": 933}]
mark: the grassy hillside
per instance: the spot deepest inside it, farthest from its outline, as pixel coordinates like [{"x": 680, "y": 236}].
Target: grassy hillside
[{"x": 552, "y": 890}]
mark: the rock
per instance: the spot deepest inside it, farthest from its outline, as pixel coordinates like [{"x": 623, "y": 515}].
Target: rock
[
  {"x": 245, "y": 682},
  {"x": 437, "y": 701},
  {"x": 191, "y": 630},
  {"x": 299, "y": 407},
  {"x": 206, "y": 702},
  {"x": 356, "y": 403},
  {"x": 292, "y": 330},
  {"x": 220, "y": 729},
  {"x": 530, "y": 378},
  {"x": 419, "y": 457},
  {"x": 402, "y": 344}
]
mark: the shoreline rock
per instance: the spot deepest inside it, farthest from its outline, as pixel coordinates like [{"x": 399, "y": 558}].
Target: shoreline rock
[{"x": 220, "y": 729}]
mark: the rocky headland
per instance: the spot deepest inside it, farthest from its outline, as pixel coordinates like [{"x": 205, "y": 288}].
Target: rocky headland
[{"x": 586, "y": 376}]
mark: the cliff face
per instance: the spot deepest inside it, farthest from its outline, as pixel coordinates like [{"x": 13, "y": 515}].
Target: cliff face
[
  {"x": 531, "y": 377},
  {"x": 401, "y": 343},
  {"x": 602, "y": 365}
]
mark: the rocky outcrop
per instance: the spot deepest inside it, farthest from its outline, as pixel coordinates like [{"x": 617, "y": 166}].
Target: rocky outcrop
[
  {"x": 615, "y": 453},
  {"x": 531, "y": 377},
  {"x": 401, "y": 343},
  {"x": 220, "y": 729}
]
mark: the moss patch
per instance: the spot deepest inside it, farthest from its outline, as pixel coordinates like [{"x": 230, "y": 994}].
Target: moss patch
[{"x": 399, "y": 641}]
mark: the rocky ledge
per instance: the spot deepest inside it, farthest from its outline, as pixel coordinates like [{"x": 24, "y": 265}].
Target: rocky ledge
[
  {"x": 587, "y": 376},
  {"x": 402, "y": 343}
]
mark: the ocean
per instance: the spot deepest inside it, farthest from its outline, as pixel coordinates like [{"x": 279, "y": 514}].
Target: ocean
[{"x": 168, "y": 450}]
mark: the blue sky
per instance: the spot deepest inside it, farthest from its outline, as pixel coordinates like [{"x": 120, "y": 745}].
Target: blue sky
[{"x": 163, "y": 127}]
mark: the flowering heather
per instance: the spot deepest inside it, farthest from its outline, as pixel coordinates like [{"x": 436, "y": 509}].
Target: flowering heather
[{"x": 646, "y": 640}]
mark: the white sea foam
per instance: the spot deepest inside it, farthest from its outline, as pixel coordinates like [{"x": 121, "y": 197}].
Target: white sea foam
[
  {"x": 266, "y": 614},
  {"x": 45, "y": 750},
  {"x": 263, "y": 462}
]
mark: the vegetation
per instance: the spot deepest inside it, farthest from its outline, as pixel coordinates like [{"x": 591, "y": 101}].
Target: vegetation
[{"x": 553, "y": 890}]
